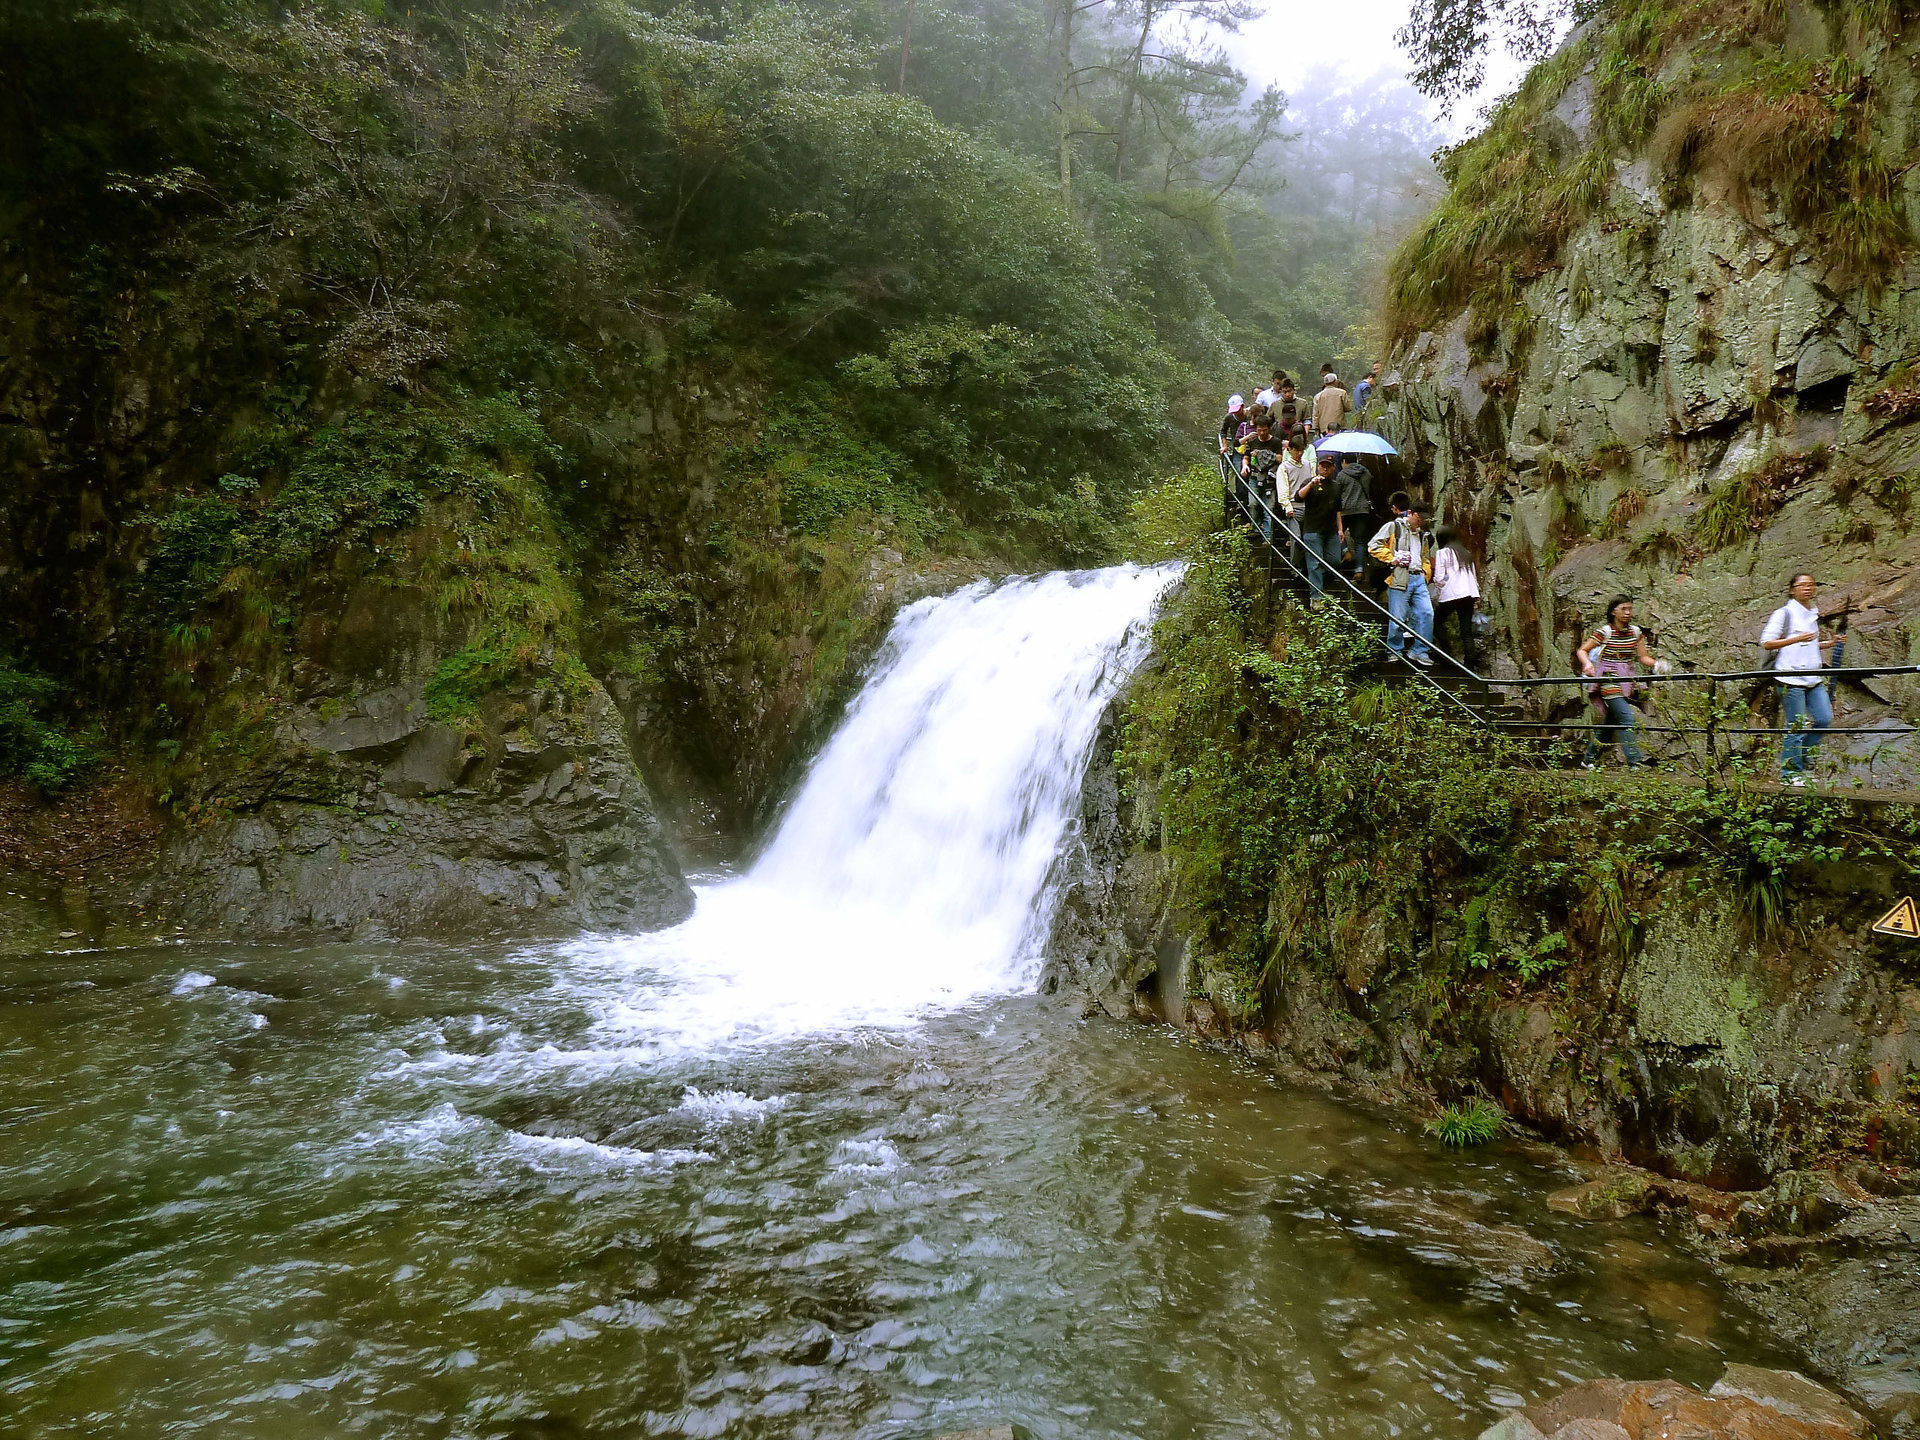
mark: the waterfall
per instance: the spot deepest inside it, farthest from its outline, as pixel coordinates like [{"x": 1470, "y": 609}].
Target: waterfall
[{"x": 910, "y": 871}]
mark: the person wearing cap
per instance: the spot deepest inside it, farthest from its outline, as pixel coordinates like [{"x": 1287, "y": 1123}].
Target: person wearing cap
[
  {"x": 1330, "y": 406},
  {"x": 1318, "y": 502},
  {"x": 1230, "y": 427}
]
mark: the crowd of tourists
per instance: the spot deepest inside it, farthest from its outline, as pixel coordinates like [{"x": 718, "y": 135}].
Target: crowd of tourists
[
  {"x": 1321, "y": 507},
  {"x": 1325, "y": 507}
]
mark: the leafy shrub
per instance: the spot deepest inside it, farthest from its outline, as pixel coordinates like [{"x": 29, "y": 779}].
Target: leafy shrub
[
  {"x": 1475, "y": 1123},
  {"x": 1171, "y": 520},
  {"x": 32, "y": 746}
]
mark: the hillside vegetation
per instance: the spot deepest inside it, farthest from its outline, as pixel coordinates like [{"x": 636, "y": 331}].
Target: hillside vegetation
[{"x": 515, "y": 348}]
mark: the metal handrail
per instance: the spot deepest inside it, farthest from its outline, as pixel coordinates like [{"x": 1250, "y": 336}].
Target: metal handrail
[
  {"x": 1240, "y": 491},
  {"x": 1243, "y": 496}
]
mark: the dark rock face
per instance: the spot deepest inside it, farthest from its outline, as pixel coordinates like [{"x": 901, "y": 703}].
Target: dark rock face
[
  {"x": 371, "y": 818},
  {"x": 1117, "y": 937}
]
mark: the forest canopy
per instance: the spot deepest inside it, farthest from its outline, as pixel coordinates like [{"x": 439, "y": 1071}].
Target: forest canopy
[{"x": 289, "y": 278}]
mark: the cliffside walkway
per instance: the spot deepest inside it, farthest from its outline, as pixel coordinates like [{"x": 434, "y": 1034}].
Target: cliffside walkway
[{"x": 1477, "y": 699}]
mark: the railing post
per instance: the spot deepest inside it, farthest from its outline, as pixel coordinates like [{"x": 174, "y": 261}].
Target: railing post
[{"x": 1713, "y": 724}]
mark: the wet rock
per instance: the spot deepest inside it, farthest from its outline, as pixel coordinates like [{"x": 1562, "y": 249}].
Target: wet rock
[
  {"x": 995, "y": 1432},
  {"x": 1747, "y": 1404},
  {"x": 1514, "y": 1427},
  {"x": 1591, "y": 1430},
  {"x": 1118, "y": 938},
  {"x": 370, "y": 818},
  {"x": 1612, "y": 1196},
  {"x": 1849, "y": 1295},
  {"x": 1793, "y": 1395},
  {"x": 1800, "y": 1202}
]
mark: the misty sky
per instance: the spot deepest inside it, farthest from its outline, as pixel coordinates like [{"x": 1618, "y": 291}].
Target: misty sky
[{"x": 1357, "y": 35}]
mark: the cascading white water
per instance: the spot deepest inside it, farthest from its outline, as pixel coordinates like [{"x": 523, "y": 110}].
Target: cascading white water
[{"x": 909, "y": 872}]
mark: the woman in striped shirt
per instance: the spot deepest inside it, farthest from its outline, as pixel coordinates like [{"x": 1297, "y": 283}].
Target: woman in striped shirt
[{"x": 1612, "y": 655}]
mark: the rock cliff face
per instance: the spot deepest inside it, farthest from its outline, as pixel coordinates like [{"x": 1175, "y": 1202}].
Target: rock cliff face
[
  {"x": 362, "y": 803},
  {"x": 1732, "y": 1062},
  {"x": 367, "y": 817},
  {"x": 1691, "y": 399}
]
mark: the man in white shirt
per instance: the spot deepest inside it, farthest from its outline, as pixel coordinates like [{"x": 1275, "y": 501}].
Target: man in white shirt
[{"x": 1792, "y": 635}]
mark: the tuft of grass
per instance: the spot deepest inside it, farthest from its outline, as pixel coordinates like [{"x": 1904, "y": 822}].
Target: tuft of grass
[
  {"x": 1475, "y": 1123},
  {"x": 1802, "y": 132},
  {"x": 1628, "y": 506},
  {"x": 1897, "y": 398},
  {"x": 1611, "y": 455},
  {"x": 1741, "y": 507}
]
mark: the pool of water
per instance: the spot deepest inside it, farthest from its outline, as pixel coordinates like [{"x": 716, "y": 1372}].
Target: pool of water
[{"x": 420, "y": 1191}]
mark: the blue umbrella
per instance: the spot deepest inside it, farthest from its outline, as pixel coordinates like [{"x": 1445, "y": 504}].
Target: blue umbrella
[{"x": 1354, "y": 442}]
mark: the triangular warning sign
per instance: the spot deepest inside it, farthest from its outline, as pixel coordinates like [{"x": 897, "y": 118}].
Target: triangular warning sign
[{"x": 1903, "y": 919}]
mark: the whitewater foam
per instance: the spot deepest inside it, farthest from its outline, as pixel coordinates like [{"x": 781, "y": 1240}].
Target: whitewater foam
[{"x": 909, "y": 875}]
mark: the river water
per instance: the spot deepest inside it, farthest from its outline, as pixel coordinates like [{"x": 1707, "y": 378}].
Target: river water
[{"x": 816, "y": 1163}]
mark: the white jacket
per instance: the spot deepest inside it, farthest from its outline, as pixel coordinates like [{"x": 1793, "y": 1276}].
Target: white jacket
[{"x": 1455, "y": 581}]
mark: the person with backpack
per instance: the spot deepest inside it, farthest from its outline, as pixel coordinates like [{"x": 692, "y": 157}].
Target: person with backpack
[
  {"x": 1456, "y": 585},
  {"x": 1403, "y": 545},
  {"x": 1792, "y": 635},
  {"x": 1260, "y": 461},
  {"x": 1611, "y": 656},
  {"x": 1355, "y": 483}
]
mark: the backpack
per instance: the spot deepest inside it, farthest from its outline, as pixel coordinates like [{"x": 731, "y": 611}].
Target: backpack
[{"x": 1356, "y": 489}]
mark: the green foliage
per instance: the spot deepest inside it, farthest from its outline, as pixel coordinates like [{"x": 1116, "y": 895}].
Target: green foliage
[
  {"x": 1296, "y": 798},
  {"x": 1800, "y": 130},
  {"x": 1476, "y": 1122},
  {"x": 292, "y": 498},
  {"x": 1173, "y": 519},
  {"x": 1275, "y": 768},
  {"x": 33, "y": 746}
]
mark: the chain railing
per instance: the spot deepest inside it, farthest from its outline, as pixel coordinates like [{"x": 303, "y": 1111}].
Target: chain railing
[{"x": 1244, "y": 502}]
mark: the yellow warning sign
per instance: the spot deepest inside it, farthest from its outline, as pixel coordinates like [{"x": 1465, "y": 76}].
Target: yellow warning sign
[{"x": 1903, "y": 919}]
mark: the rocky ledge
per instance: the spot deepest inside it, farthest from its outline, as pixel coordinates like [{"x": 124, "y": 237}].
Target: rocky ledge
[{"x": 365, "y": 815}]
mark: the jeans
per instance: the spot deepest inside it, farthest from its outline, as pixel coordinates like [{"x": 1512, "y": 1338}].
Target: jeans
[
  {"x": 1802, "y": 706},
  {"x": 1624, "y": 718},
  {"x": 1412, "y": 600},
  {"x": 1323, "y": 554}
]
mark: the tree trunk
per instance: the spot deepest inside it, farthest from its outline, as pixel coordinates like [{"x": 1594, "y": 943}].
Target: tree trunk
[
  {"x": 1133, "y": 89},
  {"x": 1066, "y": 101},
  {"x": 906, "y": 44}
]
